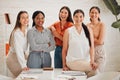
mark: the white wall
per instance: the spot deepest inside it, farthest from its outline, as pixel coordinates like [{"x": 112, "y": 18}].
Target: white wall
[{"x": 51, "y": 10}]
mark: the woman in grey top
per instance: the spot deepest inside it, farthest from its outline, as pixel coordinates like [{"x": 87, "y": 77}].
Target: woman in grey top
[{"x": 41, "y": 43}]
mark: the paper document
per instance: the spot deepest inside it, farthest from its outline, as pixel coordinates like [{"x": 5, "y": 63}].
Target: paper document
[
  {"x": 74, "y": 73},
  {"x": 33, "y": 71},
  {"x": 25, "y": 77},
  {"x": 65, "y": 77}
]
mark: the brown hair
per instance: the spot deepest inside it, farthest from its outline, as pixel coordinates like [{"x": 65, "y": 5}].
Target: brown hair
[
  {"x": 97, "y": 8},
  {"x": 17, "y": 25},
  {"x": 69, "y": 18}
]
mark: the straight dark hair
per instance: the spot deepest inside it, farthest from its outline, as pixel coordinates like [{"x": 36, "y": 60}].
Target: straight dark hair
[
  {"x": 69, "y": 18},
  {"x": 87, "y": 33}
]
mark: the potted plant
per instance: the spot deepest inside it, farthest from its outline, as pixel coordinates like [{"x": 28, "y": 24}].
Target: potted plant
[{"x": 113, "y": 6}]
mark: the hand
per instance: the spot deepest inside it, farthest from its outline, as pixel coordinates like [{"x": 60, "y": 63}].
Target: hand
[
  {"x": 93, "y": 65},
  {"x": 65, "y": 68},
  {"x": 49, "y": 44},
  {"x": 25, "y": 69},
  {"x": 52, "y": 28}
]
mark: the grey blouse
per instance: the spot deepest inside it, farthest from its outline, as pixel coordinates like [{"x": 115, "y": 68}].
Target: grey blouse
[{"x": 40, "y": 41}]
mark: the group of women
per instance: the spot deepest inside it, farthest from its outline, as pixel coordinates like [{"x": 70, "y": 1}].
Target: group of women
[{"x": 77, "y": 46}]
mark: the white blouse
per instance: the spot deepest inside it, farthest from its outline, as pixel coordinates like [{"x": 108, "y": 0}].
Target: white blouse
[
  {"x": 78, "y": 46},
  {"x": 20, "y": 46}
]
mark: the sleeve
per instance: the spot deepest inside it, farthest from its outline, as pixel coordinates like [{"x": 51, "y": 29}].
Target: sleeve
[
  {"x": 52, "y": 42},
  {"x": 32, "y": 43},
  {"x": 70, "y": 24},
  {"x": 27, "y": 51},
  {"x": 19, "y": 49}
]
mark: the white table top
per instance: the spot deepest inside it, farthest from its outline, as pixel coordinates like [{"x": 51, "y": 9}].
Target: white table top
[
  {"x": 39, "y": 74},
  {"x": 106, "y": 76}
]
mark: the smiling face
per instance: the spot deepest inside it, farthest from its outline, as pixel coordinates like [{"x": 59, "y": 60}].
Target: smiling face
[
  {"x": 94, "y": 14},
  {"x": 63, "y": 14},
  {"x": 39, "y": 20},
  {"x": 24, "y": 19},
  {"x": 78, "y": 18}
]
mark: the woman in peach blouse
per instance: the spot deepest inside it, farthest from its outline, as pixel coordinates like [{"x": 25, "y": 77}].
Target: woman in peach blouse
[{"x": 98, "y": 29}]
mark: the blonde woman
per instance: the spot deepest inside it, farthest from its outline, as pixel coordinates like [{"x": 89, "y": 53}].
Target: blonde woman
[{"x": 18, "y": 45}]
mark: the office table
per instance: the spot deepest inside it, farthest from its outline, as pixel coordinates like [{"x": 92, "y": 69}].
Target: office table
[
  {"x": 112, "y": 75},
  {"x": 39, "y": 74}
]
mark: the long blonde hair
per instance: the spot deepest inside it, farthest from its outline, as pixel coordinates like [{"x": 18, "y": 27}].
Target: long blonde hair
[{"x": 17, "y": 25}]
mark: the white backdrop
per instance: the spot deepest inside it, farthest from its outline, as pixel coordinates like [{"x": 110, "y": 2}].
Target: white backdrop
[{"x": 51, "y": 9}]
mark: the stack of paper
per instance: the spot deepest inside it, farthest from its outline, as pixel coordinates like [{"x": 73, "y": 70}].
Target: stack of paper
[
  {"x": 74, "y": 73},
  {"x": 65, "y": 77},
  {"x": 33, "y": 71},
  {"x": 29, "y": 77}
]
